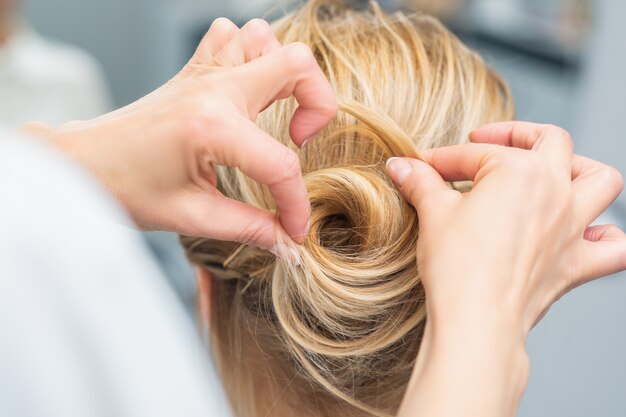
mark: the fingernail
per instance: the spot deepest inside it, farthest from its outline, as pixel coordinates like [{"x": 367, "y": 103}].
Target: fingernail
[
  {"x": 284, "y": 252},
  {"x": 300, "y": 238},
  {"x": 307, "y": 141},
  {"x": 398, "y": 168}
]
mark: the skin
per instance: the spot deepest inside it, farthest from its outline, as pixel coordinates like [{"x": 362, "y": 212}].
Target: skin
[
  {"x": 473, "y": 348},
  {"x": 7, "y": 16},
  {"x": 513, "y": 259},
  {"x": 205, "y": 117}
]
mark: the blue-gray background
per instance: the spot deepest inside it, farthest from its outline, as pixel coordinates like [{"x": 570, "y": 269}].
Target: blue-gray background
[{"x": 578, "y": 351}]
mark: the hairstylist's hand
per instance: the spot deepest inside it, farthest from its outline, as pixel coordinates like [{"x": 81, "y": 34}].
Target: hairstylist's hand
[
  {"x": 157, "y": 155},
  {"x": 494, "y": 260},
  {"x": 525, "y": 221}
]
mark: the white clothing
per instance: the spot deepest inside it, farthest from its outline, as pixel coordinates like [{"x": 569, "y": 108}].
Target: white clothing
[
  {"x": 88, "y": 324},
  {"x": 48, "y": 81}
]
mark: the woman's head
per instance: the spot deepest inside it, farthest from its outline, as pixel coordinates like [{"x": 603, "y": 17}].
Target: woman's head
[{"x": 339, "y": 334}]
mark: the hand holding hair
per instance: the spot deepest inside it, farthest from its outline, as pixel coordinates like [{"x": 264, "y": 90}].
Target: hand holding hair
[
  {"x": 157, "y": 155},
  {"x": 521, "y": 239}
]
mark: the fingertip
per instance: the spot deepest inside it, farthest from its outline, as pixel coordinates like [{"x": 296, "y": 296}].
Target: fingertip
[
  {"x": 306, "y": 123},
  {"x": 604, "y": 232},
  {"x": 485, "y": 133},
  {"x": 287, "y": 247},
  {"x": 302, "y": 237},
  {"x": 223, "y": 25},
  {"x": 427, "y": 155},
  {"x": 317, "y": 107},
  {"x": 302, "y": 128},
  {"x": 479, "y": 135},
  {"x": 288, "y": 253},
  {"x": 419, "y": 183},
  {"x": 295, "y": 220},
  {"x": 474, "y": 135},
  {"x": 603, "y": 257},
  {"x": 399, "y": 169},
  {"x": 299, "y": 238},
  {"x": 307, "y": 141},
  {"x": 222, "y": 30}
]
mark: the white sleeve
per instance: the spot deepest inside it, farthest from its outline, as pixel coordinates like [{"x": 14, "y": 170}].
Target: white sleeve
[{"x": 88, "y": 325}]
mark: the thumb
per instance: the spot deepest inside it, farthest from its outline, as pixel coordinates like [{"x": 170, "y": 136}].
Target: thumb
[
  {"x": 418, "y": 182},
  {"x": 292, "y": 71},
  {"x": 217, "y": 217},
  {"x": 604, "y": 252}
]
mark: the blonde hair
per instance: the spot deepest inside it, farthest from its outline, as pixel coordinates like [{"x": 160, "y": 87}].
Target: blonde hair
[{"x": 339, "y": 334}]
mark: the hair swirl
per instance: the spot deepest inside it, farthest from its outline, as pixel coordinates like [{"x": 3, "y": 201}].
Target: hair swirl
[{"x": 341, "y": 330}]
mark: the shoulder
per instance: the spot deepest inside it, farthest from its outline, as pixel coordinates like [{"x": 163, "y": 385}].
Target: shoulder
[{"x": 91, "y": 319}]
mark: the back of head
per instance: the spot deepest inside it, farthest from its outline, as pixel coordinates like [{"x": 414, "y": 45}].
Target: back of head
[{"x": 339, "y": 334}]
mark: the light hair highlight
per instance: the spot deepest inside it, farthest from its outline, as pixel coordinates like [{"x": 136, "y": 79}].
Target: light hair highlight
[{"x": 339, "y": 334}]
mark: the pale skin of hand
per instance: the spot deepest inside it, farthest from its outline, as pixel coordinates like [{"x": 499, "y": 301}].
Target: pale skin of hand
[
  {"x": 495, "y": 259},
  {"x": 157, "y": 155}
]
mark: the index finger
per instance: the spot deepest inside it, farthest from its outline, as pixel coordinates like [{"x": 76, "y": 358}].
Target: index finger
[
  {"x": 292, "y": 70},
  {"x": 267, "y": 161},
  {"x": 220, "y": 33},
  {"x": 551, "y": 140},
  {"x": 460, "y": 162}
]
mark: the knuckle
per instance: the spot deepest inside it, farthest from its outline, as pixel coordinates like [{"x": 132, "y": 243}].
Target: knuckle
[
  {"x": 198, "y": 116},
  {"x": 289, "y": 166},
  {"x": 254, "y": 231},
  {"x": 526, "y": 169},
  {"x": 613, "y": 230},
  {"x": 612, "y": 177},
  {"x": 527, "y": 163},
  {"x": 221, "y": 24},
  {"x": 258, "y": 30},
  {"x": 330, "y": 108},
  {"x": 299, "y": 57},
  {"x": 560, "y": 133},
  {"x": 555, "y": 130}
]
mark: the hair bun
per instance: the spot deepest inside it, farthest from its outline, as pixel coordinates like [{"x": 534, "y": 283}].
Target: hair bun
[{"x": 357, "y": 291}]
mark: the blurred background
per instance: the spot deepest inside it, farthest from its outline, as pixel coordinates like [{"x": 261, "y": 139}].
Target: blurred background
[{"x": 565, "y": 61}]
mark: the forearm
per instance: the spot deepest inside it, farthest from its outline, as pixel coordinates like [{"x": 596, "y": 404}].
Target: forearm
[{"x": 469, "y": 367}]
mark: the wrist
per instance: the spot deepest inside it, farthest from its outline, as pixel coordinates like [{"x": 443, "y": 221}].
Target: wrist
[
  {"x": 64, "y": 137},
  {"x": 487, "y": 316},
  {"x": 75, "y": 143},
  {"x": 469, "y": 364},
  {"x": 479, "y": 336},
  {"x": 480, "y": 331},
  {"x": 37, "y": 130}
]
